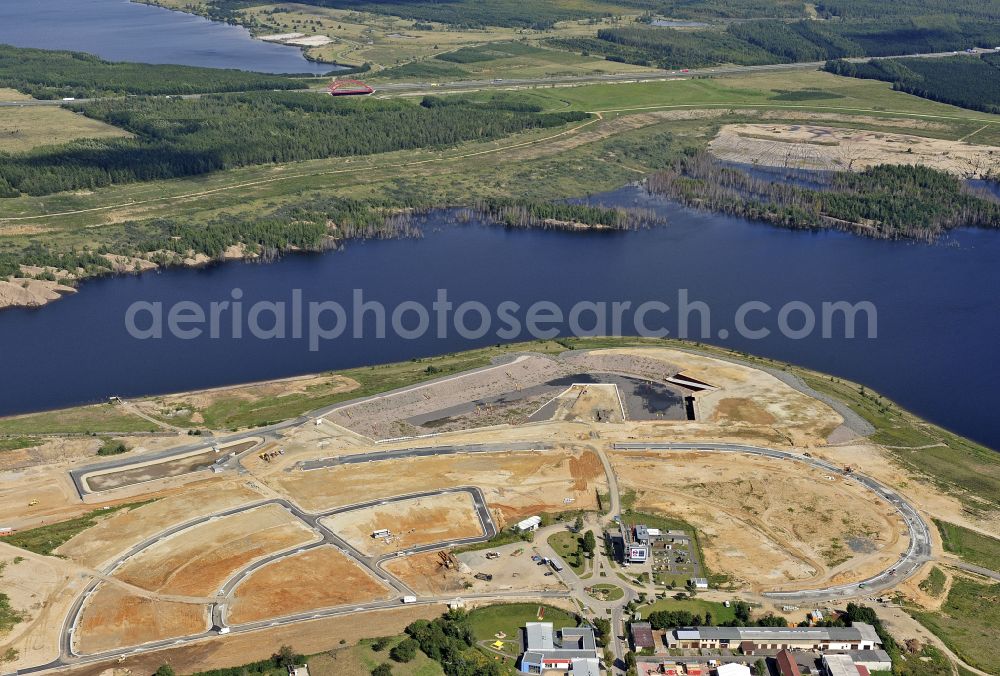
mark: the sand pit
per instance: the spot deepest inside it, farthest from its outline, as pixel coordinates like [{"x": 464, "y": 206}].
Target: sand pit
[
  {"x": 113, "y": 618},
  {"x": 387, "y": 417},
  {"x": 772, "y": 403},
  {"x": 438, "y": 518},
  {"x": 773, "y": 522},
  {"x": 318, "y": 578},
  {"x": 198, "y": 561},
  {"x": 514, "y": 484},
  {"x": 806, "y": 146},
  {"x": 124, "y": 529}
]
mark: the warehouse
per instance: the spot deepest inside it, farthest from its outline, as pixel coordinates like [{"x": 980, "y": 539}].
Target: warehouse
[
  {"x": 574, "y": 653},
  {"x": 752, "y": 639}
]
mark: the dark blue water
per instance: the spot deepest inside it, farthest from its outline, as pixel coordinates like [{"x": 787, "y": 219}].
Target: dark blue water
[
  {"x": 123, "y": 31},
  {"x": 938, "y": 316}
]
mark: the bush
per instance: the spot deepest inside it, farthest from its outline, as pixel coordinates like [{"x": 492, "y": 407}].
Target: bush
[
  {"x": 111, "y": 447},
  {"x": 404, "y": 651}
]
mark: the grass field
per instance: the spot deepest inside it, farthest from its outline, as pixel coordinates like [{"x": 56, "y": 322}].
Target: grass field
[
  {"x": 967, "y": 623},
  {"x": 695, "y": 606},
  {"x": 15, "y": 443},
  {"x": 46, "y": 539},
  {"x": 360, "y": 659},
  {"x": 509, "y": 618},
  {"x": 24, "y": 128},
  {"x": 566, "y": 544},
  {"x": 81, "y": 420},
  {"x": 934, "y": 584},
  {"x": 606, "y": 592},
  {"x": 970, "y": 546}
]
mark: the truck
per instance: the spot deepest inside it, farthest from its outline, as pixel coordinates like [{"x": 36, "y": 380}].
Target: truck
[
  {"x": 556, "y": 566},
  {"x": 409, "y": 599}
]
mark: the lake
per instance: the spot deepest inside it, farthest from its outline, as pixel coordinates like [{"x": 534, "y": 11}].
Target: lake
[
  {"x": 937, "y": 316},
  {"x": 119, "y": 30}
]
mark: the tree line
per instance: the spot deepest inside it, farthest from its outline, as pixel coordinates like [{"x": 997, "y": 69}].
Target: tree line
[
  {"x": 767, "y": 41},
  {"x": 885, "y": 201},
  {"x": 971, "y": 82},
  {"x": 181, "y": 137},
  {"x": 524, "y": 213},
  {"x": 48, "y": 74}
]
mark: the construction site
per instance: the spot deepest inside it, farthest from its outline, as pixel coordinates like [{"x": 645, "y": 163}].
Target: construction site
[{"x": 449, "y": 489}]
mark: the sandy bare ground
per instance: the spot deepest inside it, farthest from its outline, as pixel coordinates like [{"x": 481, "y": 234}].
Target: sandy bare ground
[
  {"x": 318, "y": 578},
  {"x": 746, "y": 397},
  {"x": 31, "y": 292},
  {"x": 412, "y": 522},
  {"x": 514, "y": 484},
  {"x": 124, "y": 529},
  {"x": 810, "y": 146},
  {"x": 425, "y": 573},
  {"x": 198, "y": 561},
  {"x": 589, "y": 403},
  {"x": 113, "y": 618},
  {"x": 307, "y": 637},
  {"x": 770, "y": 522},
  {"x": 43, "y": 589},
  {"x": 170, "y": 405}
]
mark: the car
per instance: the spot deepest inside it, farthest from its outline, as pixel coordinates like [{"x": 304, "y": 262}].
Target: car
[
  {"x": 536, "y": 558},
  {"x": 548, "y": 573},
  {"x": 685, "y": 70}
]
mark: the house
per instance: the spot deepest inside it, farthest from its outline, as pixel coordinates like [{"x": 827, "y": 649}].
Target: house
[
  {"x": 861, "y": 636},
  {"x": 300, "y": 670},
  {"x": 642, "y": 635},
  {"x": 787, "y": 665},
  {"x": 527, "y": 525},
  {"x": 698, "y": 582},
  {"x": 732, "y": 669},
  {"x": 575, "y": 651}
]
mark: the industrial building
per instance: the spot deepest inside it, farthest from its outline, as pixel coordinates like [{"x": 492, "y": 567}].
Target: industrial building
[
  {"x": 528, "y": 525},
  {"x": 750, "y": 640},
  {"x": 574, "y": 652},
  {"x": 872, "y": 660},
  {"x": 842, "y": 665}
]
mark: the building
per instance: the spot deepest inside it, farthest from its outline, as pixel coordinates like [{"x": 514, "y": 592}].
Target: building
[
  {"x": 732, "y": 669},
  {"x": 527, "y": 525},
  {"x": 698, "y": 582},
  {"x": 840, "y": 665},
  {"x": 5, "y": 531},
  {"x": 787, "y": 665},
  {"x": 752, "y": 639},
  {"x": 633, "y": 550},
  {"x": 872, "y": 660},
  {"x": 642, "y": 635},
  {"x": 575, "y": 652}
]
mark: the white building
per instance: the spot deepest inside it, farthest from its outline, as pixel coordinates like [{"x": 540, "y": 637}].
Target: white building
[
  {"x": 860, "y": 636},
  {"x": 733, "y": 669},
  {"x": 839, "y": 665},
  {"x": 699, "y": 582},
  {"x": 530, "y": 524}
]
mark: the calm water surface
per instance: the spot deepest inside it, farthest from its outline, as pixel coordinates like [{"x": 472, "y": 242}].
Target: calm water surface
[
  {"x": 123, "y": 31},
  {"x": 938, "y": 314}
]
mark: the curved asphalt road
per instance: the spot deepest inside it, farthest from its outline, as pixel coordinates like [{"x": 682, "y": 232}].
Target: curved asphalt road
[
  {"x": 918, "y": 552},
  {"x": 218, "y": 610}
]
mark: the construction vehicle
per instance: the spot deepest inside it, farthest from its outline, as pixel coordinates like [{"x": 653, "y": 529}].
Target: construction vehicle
[
  {"x": 492, "y": 555},
  {"x": 33, "y": 502},
  {"x": 485, "y": 577}
]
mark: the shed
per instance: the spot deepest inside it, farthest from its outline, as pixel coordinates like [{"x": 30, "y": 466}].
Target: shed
[{"x": 642, "y": 635}]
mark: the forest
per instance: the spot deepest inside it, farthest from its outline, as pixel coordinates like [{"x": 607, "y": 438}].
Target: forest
[
  {"x": 971, "y": 82},
  {"x": 48, "y": 74},
  {"x": 181, "y": 137},
  {"x": 759, "y": 42},
  {"x": 521, "y": 213},
  {"x": 885, "y": 202}
]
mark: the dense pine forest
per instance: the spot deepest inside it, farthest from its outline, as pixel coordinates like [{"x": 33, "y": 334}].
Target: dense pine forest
[
  {"x": 758, "y": 42},
  {"x": 180, "y": 137},
  {"x": 54, "y": 75},
  {"x": 887, "y": 201},
  {"x": 968, "y": 81}
]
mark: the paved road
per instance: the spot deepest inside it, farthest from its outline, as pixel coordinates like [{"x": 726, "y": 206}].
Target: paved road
[
  {"x": 403, "y": 88},
  {"x": 917, "y": 553},
  {"x": 218, "y": 610},
  {"x": 421, "y": 452}
]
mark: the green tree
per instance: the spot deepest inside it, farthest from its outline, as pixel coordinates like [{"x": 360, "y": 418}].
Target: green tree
[
  {"x": 285, "y": 657},
  {"x": 578, "y": 524},
  {"x": 404, "y": 651},
  {"x": 589, "y": 542},
  {"x": 384, "y": 669},
  {"x": 165, "y": 670}
]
